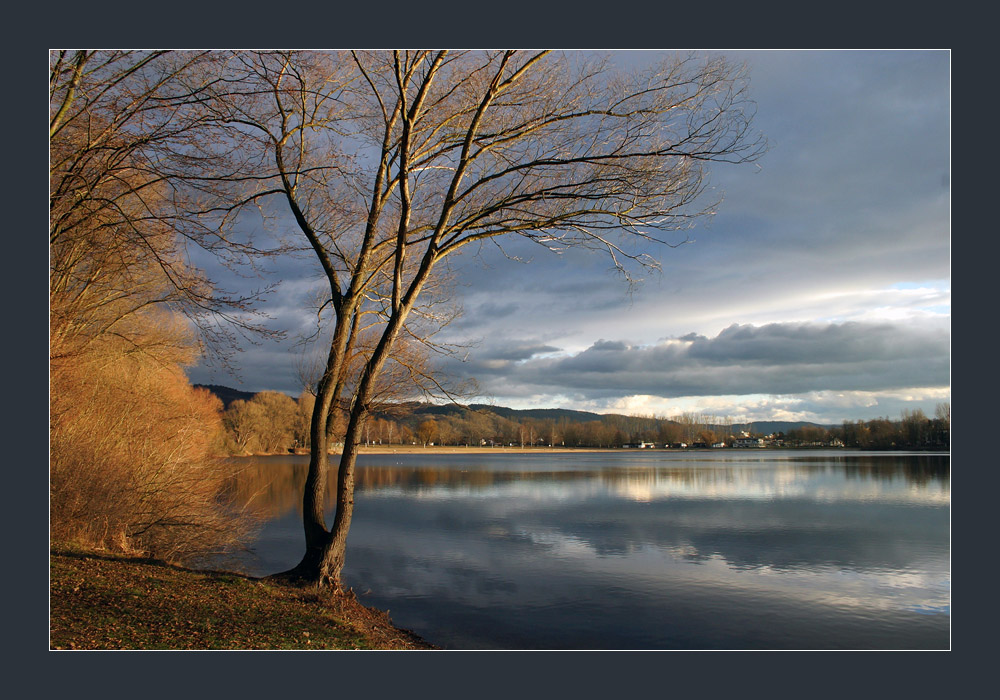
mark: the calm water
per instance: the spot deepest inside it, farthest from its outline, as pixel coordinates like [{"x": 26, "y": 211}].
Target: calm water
[{"x": 655, "y": 550}]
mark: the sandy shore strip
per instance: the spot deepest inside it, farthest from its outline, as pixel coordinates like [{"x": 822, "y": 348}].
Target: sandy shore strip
[
  {"x": 444, "y": 450},
  {"x": 447, "y": 450}
]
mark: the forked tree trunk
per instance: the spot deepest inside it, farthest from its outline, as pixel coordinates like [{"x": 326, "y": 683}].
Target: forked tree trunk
[
  {"x": 323, "y": 560},
  {"x": 332, "y": 562},
  {"x": 311, "y": 567}
]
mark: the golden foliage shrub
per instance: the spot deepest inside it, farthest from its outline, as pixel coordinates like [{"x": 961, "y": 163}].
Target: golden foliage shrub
[
  {"x": 265, "y": 424},
  {"x": 133, "y": 453}
]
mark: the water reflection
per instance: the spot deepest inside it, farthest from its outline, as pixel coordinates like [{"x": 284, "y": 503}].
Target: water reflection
[{"x": 731, "y": 550}]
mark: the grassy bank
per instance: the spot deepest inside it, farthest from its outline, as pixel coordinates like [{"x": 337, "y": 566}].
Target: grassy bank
[{"x": 104, "y": 602}]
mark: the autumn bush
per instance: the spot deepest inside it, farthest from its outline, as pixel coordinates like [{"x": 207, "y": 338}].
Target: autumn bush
[
  {"x": 267, "y": 423},
  {"x": 134, "y": 463}
]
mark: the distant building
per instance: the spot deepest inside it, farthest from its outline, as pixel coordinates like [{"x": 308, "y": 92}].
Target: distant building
[
  {"x": 638, "y": 445},
  {"x": 748, "y": 442}
]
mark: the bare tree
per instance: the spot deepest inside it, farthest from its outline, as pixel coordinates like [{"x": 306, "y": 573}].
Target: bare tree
[
  {"x": 390, "y": 162},
  {"x": 427, "y": 432}
]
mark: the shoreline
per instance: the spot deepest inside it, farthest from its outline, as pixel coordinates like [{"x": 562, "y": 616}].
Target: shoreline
[
  {"x": 439, "y": 450},
  {"x": 449, "y": 449}
]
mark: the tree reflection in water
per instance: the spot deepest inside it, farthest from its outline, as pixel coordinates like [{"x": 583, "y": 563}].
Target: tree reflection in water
[{"x": 672, "y": 550}]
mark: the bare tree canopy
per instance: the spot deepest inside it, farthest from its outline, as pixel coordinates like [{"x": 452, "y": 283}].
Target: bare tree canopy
[
  {"x": 390, "y": 162},
  {"x": 139, "y": 171}
]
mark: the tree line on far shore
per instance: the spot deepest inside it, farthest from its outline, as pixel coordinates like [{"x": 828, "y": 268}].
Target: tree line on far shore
[{"x": 271, "y": 422}]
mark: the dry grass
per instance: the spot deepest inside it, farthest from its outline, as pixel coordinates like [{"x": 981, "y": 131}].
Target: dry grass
[{"x": 103, "y": 602}]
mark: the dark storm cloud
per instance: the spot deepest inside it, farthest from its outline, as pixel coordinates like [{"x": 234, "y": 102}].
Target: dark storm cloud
[
  {"x": 858, "y": 165},
  {"x": 833, "y": 344},
  {"x": 852, "y": 196},
  {"x": 776, "y": 358},
  {"x": 497, "y": 310},
  {"x": 515, "y": 350}
]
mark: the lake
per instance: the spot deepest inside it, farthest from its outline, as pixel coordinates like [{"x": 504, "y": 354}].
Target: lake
[{"x": 725, "y": 549}]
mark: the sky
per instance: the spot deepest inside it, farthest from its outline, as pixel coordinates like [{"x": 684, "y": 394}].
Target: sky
[{"x": 819, "y": 291}]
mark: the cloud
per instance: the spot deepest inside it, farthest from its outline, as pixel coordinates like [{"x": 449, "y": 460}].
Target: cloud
[
  {"x": 777, "y": 358},
  {"x": 515, "y": 350}
]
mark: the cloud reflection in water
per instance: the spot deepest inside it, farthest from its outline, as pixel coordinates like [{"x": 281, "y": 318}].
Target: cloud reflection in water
[{"x": 649, "y": 552}]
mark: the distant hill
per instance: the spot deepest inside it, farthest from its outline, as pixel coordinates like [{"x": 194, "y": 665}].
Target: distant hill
[
  {"x": 417, "y": 409},
  {"x": 556, "y": 414},
  {"x": 227, "y": 394}
]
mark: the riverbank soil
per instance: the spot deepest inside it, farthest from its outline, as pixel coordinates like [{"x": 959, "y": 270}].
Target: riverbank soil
[{"x": 105, "y": 602}]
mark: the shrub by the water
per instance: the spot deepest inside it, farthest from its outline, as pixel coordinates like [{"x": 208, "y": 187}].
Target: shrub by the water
[{"x": 133, "y": 463}]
